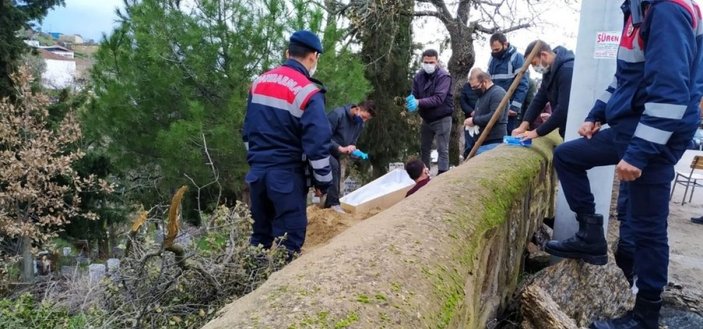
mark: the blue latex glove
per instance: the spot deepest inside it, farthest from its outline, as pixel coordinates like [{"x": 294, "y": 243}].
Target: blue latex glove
[
  {"x": 411, "y": 103},
  {"x": 360, "y": 155}
]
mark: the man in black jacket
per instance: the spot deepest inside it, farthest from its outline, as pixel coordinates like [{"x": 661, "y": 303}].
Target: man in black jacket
[
  {"x": 489, "y": 98},
  {"x": 468, "y": 104},
  {"x": 346, "y": 122},
  {"x": 557, "y": 68}
]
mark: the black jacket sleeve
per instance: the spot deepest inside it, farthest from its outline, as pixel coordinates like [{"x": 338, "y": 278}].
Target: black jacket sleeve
[
  {"x": 468, "y": 100},
  {"x": 558, "y": 117}
]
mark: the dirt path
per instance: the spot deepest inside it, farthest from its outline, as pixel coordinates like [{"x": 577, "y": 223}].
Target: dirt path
[{"x": 686, "y": 242}]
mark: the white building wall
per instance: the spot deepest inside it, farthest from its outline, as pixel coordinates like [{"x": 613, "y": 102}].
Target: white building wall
[{"x": 59, "y": 74}]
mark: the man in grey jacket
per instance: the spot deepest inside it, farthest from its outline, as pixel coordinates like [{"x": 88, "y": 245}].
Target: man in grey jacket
[{"x": 489, "y": 97}]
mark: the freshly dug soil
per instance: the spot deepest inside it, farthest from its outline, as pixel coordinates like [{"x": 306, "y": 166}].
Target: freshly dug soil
[{"x": 325, "y": 224}]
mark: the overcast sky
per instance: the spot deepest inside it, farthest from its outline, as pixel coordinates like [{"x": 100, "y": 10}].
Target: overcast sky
[
  {"x": 92, "y": 18},
  {"x": 89, "y": 18}
]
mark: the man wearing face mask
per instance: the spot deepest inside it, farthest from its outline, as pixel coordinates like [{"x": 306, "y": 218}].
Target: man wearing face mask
[
  {"x": 557, "y": 68},
  {"x": 347, "y": 122},
  {"x": 432, "y": 95},
  {"x": 489, "y": 98},
  {"x": 285, "y": 130},
  {"x": 652, "y": 110},
  {"x": 503, "y": 66}
]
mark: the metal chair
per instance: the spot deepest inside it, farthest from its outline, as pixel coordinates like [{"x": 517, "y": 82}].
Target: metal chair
[{"x": 692, "y": 178}]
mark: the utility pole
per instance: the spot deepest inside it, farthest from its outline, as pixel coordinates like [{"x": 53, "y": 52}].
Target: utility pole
[{"x": 600, "y": 27}]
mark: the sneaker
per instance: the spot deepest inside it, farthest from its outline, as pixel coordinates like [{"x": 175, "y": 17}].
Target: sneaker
[
  {"x": 697, "y": 220},
  {"x": 338, "y": 209}
]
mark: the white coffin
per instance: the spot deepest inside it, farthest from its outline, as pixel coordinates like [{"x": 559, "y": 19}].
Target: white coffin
[{"x": 381, "y": 193}]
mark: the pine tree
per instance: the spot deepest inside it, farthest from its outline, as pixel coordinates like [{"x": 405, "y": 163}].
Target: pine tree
[
  {"x": 171, "y": 86},
  {"x": 385, "y": 33}
]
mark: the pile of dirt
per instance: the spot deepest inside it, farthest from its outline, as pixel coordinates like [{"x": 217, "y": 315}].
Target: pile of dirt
[{"x": 325, "y": 224}]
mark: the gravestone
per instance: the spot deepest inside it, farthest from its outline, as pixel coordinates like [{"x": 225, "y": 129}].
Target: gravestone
[
  {"x": 395, "y": 165},
  {"x": 113, "y": 265},
  {"x": 350, "y": 185},
  {"x": 96, "y": 272}
]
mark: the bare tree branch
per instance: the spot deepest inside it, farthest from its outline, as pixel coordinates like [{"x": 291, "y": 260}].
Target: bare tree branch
[
  {"x": 428, "y": 13},
  {"x": 487, "y": 30},
  {"x": 442, "y": 9}
]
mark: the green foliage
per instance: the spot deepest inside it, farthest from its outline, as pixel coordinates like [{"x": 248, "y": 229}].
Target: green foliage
[
  {"x": 386, "y": 36},
  {"x": 170, "y": 81},
  {"x": 23, "y": 312},
  {"x": 14, "y": 16}
]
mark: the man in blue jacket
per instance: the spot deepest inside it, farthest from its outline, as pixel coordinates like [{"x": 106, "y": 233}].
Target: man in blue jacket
[
  {"x": 285, "y": 130},
  {"x": 557, "y": 68},
  {"x": 503, "y": 66},
  {"x": 347, "y": 122},
  {"x": 652, "y": 109},
  {"x": 432, "y": 95}
]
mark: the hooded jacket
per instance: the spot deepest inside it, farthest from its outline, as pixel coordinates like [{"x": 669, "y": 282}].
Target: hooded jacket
[
  {"x": 555, "y": 89},
  {"x": 345, "y": 131},
  {"x": 434, "y": 94},
  {"x": 503, "y": 71}
]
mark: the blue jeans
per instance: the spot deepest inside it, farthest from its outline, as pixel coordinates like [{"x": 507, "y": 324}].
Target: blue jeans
[
  {"x": 469, "y": 142},
  {"x": 646, "y": 202},
  {"x": 486, "y": 148}
]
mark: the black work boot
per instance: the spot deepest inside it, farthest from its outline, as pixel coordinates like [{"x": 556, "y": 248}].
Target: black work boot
[
  {"x": 588, "y": 243},
  {"x": 626, "y": 263},
  {"x": 644, "y": 316}
]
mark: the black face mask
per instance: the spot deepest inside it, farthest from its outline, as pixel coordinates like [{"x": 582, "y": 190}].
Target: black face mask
[
  {"x": 500, "y": 53},
  {"x": 477, "y": 90}
]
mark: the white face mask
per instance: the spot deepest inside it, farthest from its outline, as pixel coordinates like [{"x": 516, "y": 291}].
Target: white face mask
[
  {"x": 539, "y": 68},
  {"x": 429, "y": 68},
  {"x": 313, "y": 69}
]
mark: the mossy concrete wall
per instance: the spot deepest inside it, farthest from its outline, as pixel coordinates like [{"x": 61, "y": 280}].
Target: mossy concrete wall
[{"x": 449, "y": 256}]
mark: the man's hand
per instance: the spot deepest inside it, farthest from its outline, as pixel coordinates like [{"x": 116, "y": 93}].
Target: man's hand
[
  {"x": 532, "y": 134},
  {"x": 318, "y": 193},
  {"x": 544, "y": 116},
  {"x": 627, "y": 172},
  {"x": 346, "y": 149},
  {"x": 469, "y": 122},
  {"x": 512, "y": 113},
  {"x": 588, "y": 129},
  {"x": 518, "y": 131}
]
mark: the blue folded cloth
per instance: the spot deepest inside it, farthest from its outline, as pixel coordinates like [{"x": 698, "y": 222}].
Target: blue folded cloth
[{"x": 510, "y": 140}]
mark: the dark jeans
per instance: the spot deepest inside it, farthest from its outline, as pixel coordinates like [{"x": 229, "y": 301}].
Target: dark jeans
[
  {"x": 513, "y": 122},
  {"x": 469, "y": 142},
  {"x": 278, "y": 201},
  {"x": 333, "y": 190},
  {"x": 441, "y": 130},
  {"x": 646, "y": 204}
]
